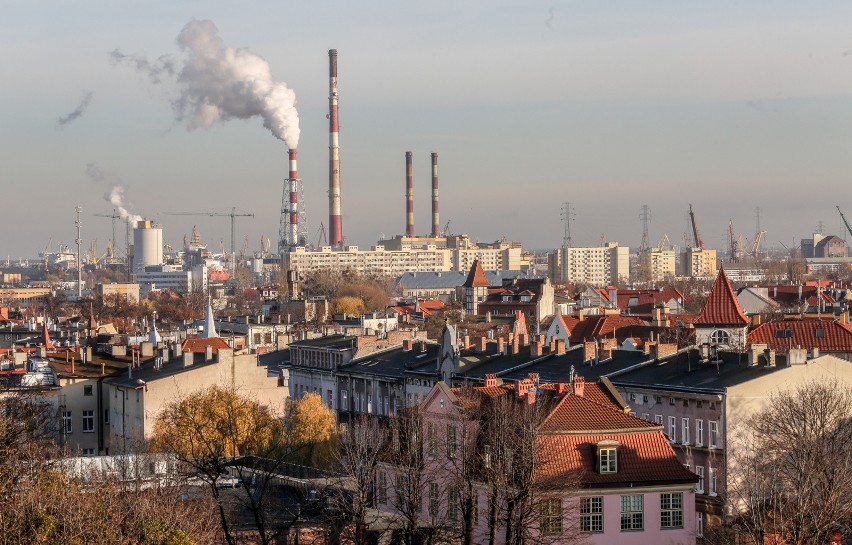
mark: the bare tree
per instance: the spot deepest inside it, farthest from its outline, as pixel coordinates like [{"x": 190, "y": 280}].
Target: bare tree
[{"x": 793, "y": 476}]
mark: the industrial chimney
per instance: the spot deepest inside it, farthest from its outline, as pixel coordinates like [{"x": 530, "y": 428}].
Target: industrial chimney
[
  {"x": 409, "y": 196},
  {"x": 335, "y": 219},
  {"x": 436, "y": 227},
  {"x": 294, "y": 198}
]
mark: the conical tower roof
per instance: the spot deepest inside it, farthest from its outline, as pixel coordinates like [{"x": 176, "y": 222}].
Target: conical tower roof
[
  {"x": 209, "y": 322},
  {"x": 722, "y": 306}
]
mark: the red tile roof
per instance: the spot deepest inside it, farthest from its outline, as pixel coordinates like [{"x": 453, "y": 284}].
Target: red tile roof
[
  {"x": 722, "y": 306},
  {"x": 836, "y": 336},
  {"x": 643, "y": 457},
  {"x": 199, "y": 344},
  {"x": 600, "y": 326},
  {"x": 476, "y": 278},
  {"x": 591, "y": 412}
]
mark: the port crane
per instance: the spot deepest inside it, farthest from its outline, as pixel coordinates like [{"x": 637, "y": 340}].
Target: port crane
[
  {"x": 755, "y": 246},
  {"x": 846, "y": 223},
  {"x": 233, "y": 214},
  {"x": 698, "y": 242}
]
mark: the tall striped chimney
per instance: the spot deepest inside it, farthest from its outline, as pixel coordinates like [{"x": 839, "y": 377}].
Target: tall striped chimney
[
  {"x": 436, "y": 227},
  {"x": 335, "y": 218},
  {"x": 409, "y": 196},
  {"x": 294, "y": 198}
]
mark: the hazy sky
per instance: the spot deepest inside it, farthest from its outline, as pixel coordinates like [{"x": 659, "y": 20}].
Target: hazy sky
[{"x": 609, "y": 105}]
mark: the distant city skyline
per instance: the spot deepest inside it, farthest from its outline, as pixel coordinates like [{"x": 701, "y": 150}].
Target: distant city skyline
[{"x": 726, "y": 106}]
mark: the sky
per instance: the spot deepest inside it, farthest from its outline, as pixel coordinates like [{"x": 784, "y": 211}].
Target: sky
[{"x": 608, "y": 105}]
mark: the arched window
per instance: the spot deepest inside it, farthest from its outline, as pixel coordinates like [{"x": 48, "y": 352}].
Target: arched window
[{"x": 720, "y": 336}]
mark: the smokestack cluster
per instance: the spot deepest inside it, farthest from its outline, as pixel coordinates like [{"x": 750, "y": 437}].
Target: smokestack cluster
[
  {"x": 409, "y": 196},
  {"x": 335, "y": 218},
  {"x": 436, "y": 227}
]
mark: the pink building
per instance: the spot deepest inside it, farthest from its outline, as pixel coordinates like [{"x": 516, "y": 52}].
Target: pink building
[{"x": 531, "y": 463}]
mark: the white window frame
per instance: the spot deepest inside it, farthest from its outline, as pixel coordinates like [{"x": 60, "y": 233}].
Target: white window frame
[
  {"x": 713, "y": 437},
  {"x": 671, "y": 510},
  {"x": 592, "y": 515},
  {"x": 712, "y": 475},
  {"x": 699, "y": 524},
  {"x": 699, "y": 486},
  {"x": 89, "y": 417},
  {"x": 658, "y": 419},
  {"x": 344, "y": 400},
  {"x": 632, "y": 513},
  {"x": 608, "y": 460},
  {"x": 67, "y": 422},
  {"x": 699, "y": 432},
  {"x": 684, "y": 437},
  {"x": 551, "y": 516},
  {"x": 673, "y": 429}
]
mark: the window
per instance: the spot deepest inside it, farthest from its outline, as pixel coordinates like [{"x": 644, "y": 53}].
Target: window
[
  {"x": 88, "y": 421},
  {"x": 819, "y": 333},
  {"x": 551, "y": 516},
  {"x": 712, "y": 474},
  {"x": 672, "y": 428},
  {"x": 370, "y": 403},
  {"x": 671, "y": 401},
  {"x": 451, "y": 441},
  {"x": 671, "y": 510},
  {"x": 699, "y": 432},
  {"x": 383, "y": 487},
  {"x": 658, "y": 418},
  {"x": 88, "y": 452},
  {"x": 591, "y": 514},
  {"x": 453, "y": 504},
  {"x": 646, "y": 416},
  {"x": 106, "y": 416},
  {"x": 608, "y": 459},
  {"x": 720, "y": 336},
  {"x": 632, "y": 512},
  {"x": 684, "y": 438},
  {"x": 699, "y": 525},
  {"x": 433, "y": 439},
  {"x": 344, "y": 400},
  {"x": 433, "y": 499},
  {"x": 67, "y": 423},
  {"x": 330, "y": 398},
  {"x": 714, "y": 433},
  {"x": 87, "y": 390},
  {"x": 699, "y": 487}
]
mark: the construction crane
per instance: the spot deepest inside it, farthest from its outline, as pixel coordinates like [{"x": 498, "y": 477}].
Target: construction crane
[
  {"x": 848, "y": 228},
  {"x": 321, "y": 236},
  {"x": 233, "y": 214},
  {"x": 698, "y": 242},
  {"x": 446, "y": 230},
  {"x": 755, "y": 246}
]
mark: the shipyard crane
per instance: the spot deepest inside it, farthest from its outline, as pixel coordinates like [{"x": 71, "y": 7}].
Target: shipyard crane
[
  {"x": 233, "y": 214},
  {"x": 755, "y": 247},
  {"x": 846, "y": 223},
  {"x": 733, "y": 242},
  {"x": 698, "y": 242}
]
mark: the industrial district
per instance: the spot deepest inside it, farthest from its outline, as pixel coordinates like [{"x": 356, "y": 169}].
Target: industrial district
[{"x": 433, "y": 388}]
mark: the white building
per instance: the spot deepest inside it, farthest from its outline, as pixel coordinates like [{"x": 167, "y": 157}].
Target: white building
[
  {"x": 597, "y": 265},
  {"x": 171, "y": 277}
]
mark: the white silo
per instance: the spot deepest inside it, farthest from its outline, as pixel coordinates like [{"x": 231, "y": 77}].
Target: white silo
[{"x": 147, "y": 244}]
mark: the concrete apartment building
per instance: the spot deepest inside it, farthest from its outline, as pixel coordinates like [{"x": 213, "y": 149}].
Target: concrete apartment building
[
  {"x": 698, "y": 262},
  {"x": 126, "y": 290},
  {"x": 597, "y": 265},
  {"x": 661, "y": 263}
]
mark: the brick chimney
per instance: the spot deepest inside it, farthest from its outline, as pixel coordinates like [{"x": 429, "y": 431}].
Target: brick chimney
[
  {"x": 524, "y": 339},
  {"x": 560, "y": 346},
  {"x": 490, "y": 380},
  {"x": 423, "y": 346},
  {"x": 536, "y": 350},
  {"x": 844, "y": 317},
  {"x": 466, "y": 341},
  {"x": 481, "y": 344},
  {"x": 501, "y": 345},
  {"x": 579, "y": 386},
  {"x": 407, "y": 344},
  {"x": 515, "y": 344}
]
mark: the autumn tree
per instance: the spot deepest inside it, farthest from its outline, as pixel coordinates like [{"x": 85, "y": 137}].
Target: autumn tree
[
  {"x": 349, "y": 305},
  {"x": 219, "y": 434},
  {"x": 405, "y": 456},
  {"x": 312, "y": 432},
  {"x": 791, "y": 466}
]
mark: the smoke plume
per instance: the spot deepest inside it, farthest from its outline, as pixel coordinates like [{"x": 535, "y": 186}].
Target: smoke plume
[
  {"x": 95, "y": 173},
  {"x": 77, "y": 112},
  {"x": 116, "y": 198},
  {"x": 218, "y": 83}
]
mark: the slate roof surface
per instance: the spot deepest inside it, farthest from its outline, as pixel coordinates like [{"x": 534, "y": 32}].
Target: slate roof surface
[
  {"x": 722, "y": 306},
  {"x": 394, "y": 362},
  {"x": 453, "y": 279}
]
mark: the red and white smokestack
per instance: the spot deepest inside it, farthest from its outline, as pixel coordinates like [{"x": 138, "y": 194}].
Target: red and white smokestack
[
  {"x": 436, "y": 227},
  {"x": 294, "y": 198},
  {"x": 335, "y": 218},
  {"x": 409, "y": 195}
]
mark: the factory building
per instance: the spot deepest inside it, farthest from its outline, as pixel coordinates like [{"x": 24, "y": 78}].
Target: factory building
[{"x": 147, "y": 245}]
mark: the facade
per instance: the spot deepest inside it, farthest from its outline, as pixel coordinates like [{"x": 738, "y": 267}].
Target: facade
[
  {"x": 698, "y": 262},
  {"x": 444, "y": 284},
  {"x": 662, "y": 263},
  {"x": 596, "y": 266},
  {"x": 612, "y": 478},
  {"x": 128, "y": 291},
  {"x": 171, "y": 277}
]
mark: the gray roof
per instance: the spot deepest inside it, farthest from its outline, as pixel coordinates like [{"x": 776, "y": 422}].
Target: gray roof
[
  {"x": 395, "y": 362},
  {"x": 453, "y": 279}
]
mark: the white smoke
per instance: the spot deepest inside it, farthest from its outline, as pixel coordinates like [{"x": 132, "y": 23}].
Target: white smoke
[
  {"x": 116, "y": 198},
  {"x": 218, "y": 83}
]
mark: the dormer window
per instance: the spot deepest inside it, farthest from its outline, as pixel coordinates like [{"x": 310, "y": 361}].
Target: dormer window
[
  {"x": 720, "y": 336},
  {"x": 607, "y": 453}
]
